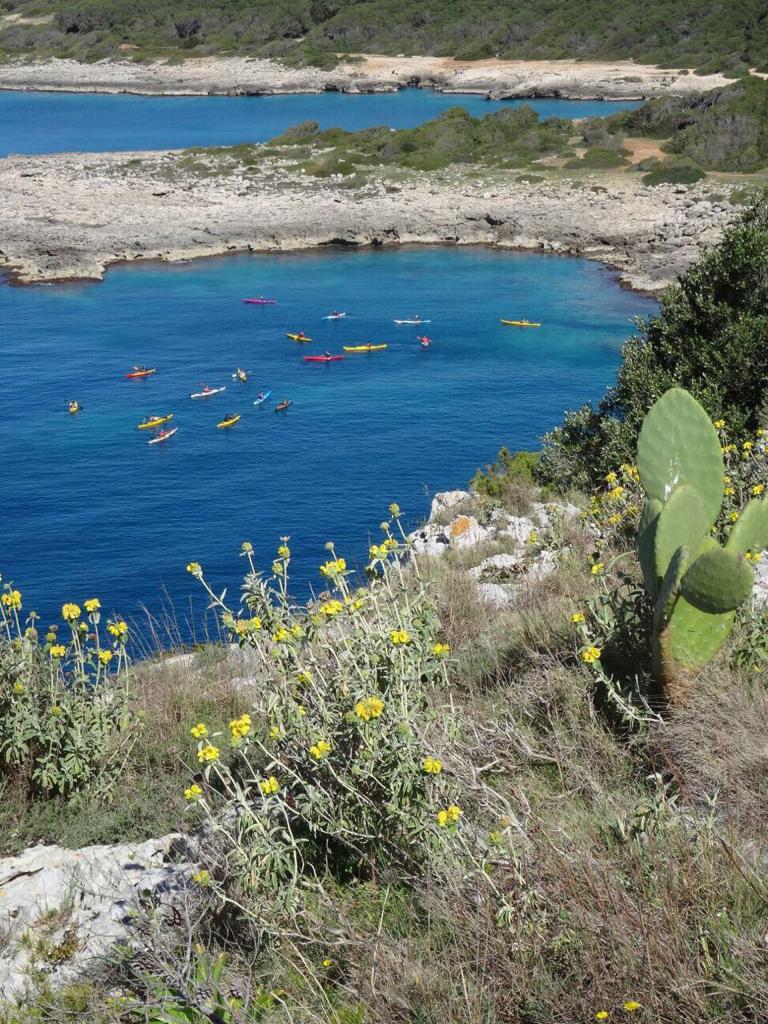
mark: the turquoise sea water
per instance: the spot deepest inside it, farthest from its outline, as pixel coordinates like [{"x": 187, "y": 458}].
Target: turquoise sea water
[
  {"x": 90, "y": 509},
  {"x": 49, "y": 122}
]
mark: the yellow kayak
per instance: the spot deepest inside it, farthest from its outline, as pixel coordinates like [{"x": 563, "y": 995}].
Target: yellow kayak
[
  {"x": 155, "y": 421},
  {"x": 364, "y": 348},
  {"x": 298, "y": 337},
  {"x": 230, "y": 421},
  {"x": 520, "y": 323}
]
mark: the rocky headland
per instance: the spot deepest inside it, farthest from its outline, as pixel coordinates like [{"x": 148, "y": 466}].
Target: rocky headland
[
  {"x": 498, "y": 79},
  {"x": 70, "y": 216}
]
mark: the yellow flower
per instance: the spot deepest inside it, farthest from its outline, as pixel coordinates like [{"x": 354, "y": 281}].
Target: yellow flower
[
  {"x": 729, "y": 492},
  {"x": 58, "y": 651},
  {"x": 369, "y": 707},
  {"x": 105, "y": 657},
  {"x": 245, "y": 626},
  {"x": 449, "y": 816},
  {"x": 202, "y": 877},
  {"x": 394, "y": 509},
  {"x": 376, "y": 552},
  {"x": 198, "y": 731},
  {"x": 192, "y": 792},
  {"x": 331, "y": 608},
  {"x": 284, "y": 551},
  {"x": 758, "y": 489},
  {"x": 611, "y": 478},
  {"x": 602, "y": 1015},
  {"x": 733, "y": 516},
  {"x": 441, "y": 650},
  {"x": 578, "y": 617},
  {"x": 333, "y": 568},
  {"x": 630, "y": 1006},
  {"x": 432, "y": 765},
  {"x": 320, "y": 750},
  {"x": 277, "y": 568},
  {"x": 305, "y": 677},
  {"x": 18, "y": 689},
  {"x": 718, "y": 424},
  {"x": 70, "y": 612},
  {"x": 327, "y": 962},
  {"x": 274, "y": 732},
  {"x": 240, "y": 727},
  {"x": 195, "y": 569},
  {"x": 728, "y": 449},
  {"x": 629, "y": 470},
  {"x": 208, "y": 753},
  {"x": 118, "y": 630},
  {"x": 50, "y": 637},
  {"x": 12, "y": 599},
  {"x": 400, "y": 636},
  {"x": 247, "y": 547},
  {"x": 597, "y": 568},
  {"x": 270, "y": 785},
  {"x": 760, "y": 432},
  {"x": 615, "y": 492},
  {"x": 747, "y": 446},
  {"x": 280, "y": 634},
  {"x": 57, "y": 711},
  {"x": 533, "y": 537},
  {"x": 92, "y": 605},
  {"x": 590, "y": 655}
]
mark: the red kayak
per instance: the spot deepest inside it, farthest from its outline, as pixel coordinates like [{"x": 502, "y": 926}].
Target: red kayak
[
  {"x": 140, "y": 371},
  {"x": 260, "y": 302},
  {"x": 323, "y": 359},
  {"x": 425, "y": 342}
]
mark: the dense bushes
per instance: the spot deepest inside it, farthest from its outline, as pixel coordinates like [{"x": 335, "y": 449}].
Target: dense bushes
[
  {"x": 709, "y": 338},
  {"x": 710, "y": 34}
]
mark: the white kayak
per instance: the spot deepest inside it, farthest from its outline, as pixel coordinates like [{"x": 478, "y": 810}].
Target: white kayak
[
  {"x": 163, "y": 437},
  {"x": 208, "y": 392},
  {"x": 413, "y": 321},
  {"x": 335, "y": 316}
]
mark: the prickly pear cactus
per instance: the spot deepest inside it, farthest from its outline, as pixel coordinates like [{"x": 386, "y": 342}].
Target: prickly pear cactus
[{"x": 696, "y": 584}]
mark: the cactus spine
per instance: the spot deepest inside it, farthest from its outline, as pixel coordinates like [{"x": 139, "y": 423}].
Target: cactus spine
[{"x": 696, "y": 584}]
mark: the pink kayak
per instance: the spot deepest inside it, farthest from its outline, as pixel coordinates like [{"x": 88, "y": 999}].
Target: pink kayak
[
  {"x": 323, "y": 359},
  {"x": 260, "y": 302}
]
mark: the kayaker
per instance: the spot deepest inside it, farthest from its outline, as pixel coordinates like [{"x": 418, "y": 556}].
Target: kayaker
[
  {"x": 260, "y": 396},
  {"x": 74, "y": 406}
]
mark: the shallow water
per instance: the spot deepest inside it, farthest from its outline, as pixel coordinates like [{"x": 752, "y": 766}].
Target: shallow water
[
  {"x": 50, "y": 122},
  {"x": 90, "y": 509}
]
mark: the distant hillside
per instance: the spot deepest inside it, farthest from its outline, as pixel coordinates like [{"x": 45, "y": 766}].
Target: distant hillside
[{"x": 705, "y": 34}]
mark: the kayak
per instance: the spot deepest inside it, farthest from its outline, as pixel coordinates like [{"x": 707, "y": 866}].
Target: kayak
[
  {"x": 263, "y": 398},
  {"x": 298, "y": 337},
  {"x": 136, "y": 373},
  {"x": 260, "y": 302},
  {"x": 162, "y": 436},
  {"x": 364, "y": 348},
  {"x": 520, "y": 323},
  {"x": 413, "y": 321},
  {"x": 283, "y": 405},
  {"x": 74, "y": 408},
  {"x": 155, "y": 421},
  {"x": 425, "y": 342},
  {"x": 230, "y": 421},
  {"x": 322, "y": 359},
  {"x": 335, "y": 316},
  {"x": 240, "y": 375},
  {"x": 208, "y": 392}
]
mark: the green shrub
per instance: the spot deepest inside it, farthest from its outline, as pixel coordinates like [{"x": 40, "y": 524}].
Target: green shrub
[
  {"x": 509, "y": 468},
  {"x": 708, "y": 338},
  {"x": 674, "y": 174},
  {"x": 598, "y": 159}
]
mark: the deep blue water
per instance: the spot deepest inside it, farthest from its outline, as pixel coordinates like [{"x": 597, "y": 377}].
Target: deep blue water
[
  {"x": 90, "y": 509},
  {"x": 49, "y": 122}
]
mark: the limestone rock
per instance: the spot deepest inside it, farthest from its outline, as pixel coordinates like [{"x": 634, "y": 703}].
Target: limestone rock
[
  {"x": 496, "y": 566},
  {"x": 496, "y": 595},
  {"x": 75, "y": 904},
  {"x": 466, "y": 532},
  {"x": 444, "y": 501}
]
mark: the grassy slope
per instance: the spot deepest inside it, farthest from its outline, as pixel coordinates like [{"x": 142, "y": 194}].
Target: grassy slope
[{"x": 700, "y": 33}]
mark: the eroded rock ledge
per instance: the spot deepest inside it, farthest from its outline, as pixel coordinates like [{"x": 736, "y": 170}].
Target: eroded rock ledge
[
  {"x": 370, "y": 73},
  {"x": 70, "y": 216}
]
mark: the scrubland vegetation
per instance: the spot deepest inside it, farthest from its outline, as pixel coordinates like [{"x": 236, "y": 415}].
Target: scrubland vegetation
[
  {"x": 409, "y": 805},
  {"x": 707, "y": 35}
]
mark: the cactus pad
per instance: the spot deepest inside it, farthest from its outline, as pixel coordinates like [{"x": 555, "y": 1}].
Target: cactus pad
[
  {"x": 683, "y": 522},
  {"x": 750, "y": 531},
  {"x": 691, "y": 639},
  {"x": 678, "y": 445},
  {"x": 718, "y": 581},
  {"x": 646, "y": 544},
  {"x": 670, "y": 587}
]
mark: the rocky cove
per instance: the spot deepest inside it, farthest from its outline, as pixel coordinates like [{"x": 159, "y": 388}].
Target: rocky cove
[{"x": 71, "y": 216}]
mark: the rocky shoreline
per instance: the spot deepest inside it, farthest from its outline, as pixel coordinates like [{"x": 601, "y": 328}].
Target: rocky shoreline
[
  {"x": 71, "y": 216},
  {"x": 238, "y": 76}
]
